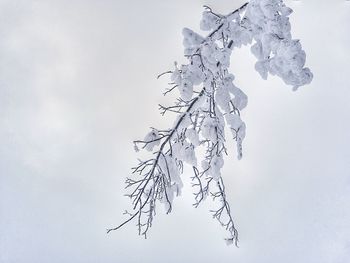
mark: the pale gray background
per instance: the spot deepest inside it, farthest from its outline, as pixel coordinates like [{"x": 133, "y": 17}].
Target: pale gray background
[{"x": 77, "y": 85}]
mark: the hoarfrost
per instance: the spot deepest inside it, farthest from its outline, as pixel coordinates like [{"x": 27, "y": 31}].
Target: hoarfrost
[{"x": 209, "y": 99}]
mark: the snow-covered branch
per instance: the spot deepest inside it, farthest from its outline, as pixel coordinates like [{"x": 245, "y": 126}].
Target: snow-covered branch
[{"x": 208, "y": 102}]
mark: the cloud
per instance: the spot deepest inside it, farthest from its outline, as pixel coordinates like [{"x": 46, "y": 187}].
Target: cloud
[{"x": 77, "y": 85}]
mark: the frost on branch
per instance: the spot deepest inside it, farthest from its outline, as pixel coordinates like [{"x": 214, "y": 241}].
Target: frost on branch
[{"x": 208, "y": 101}]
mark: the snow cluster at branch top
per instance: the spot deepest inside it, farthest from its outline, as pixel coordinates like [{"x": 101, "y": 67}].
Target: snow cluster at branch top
[
  {"x": 266, "y": 22},
  {"x": 276, "y": 51}
]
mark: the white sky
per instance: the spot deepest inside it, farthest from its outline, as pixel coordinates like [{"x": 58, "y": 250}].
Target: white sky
[{"x": 77, "y": 85}]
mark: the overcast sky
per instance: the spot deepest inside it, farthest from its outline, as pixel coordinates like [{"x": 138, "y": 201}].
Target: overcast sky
[{"x": 78, "y": 84}]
